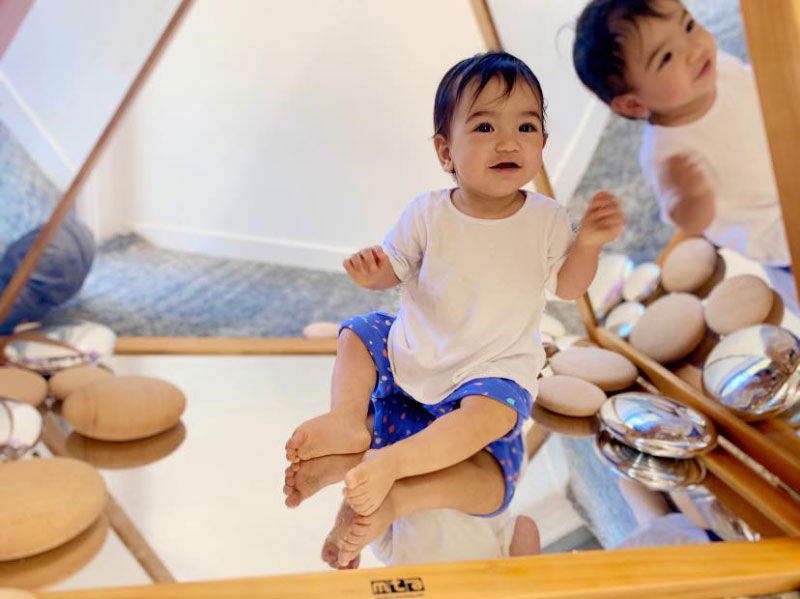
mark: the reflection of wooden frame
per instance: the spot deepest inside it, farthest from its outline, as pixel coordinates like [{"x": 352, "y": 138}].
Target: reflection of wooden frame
[{"x": 687, "y": 571}]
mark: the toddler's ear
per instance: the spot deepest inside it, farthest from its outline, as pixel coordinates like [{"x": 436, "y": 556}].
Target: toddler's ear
[
  {"x": 628, "y": 105},
  {"x": 443, "y": 152}
]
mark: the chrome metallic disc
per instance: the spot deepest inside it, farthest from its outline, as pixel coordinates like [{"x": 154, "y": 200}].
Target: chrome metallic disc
[
  {"x": 26, "y": 431},
  {"x": 622, "y": 319},
  {"x": 657, "y": 425},
  {"x": 83, "y": 343},
  {"x": 657, "y": 473},
  {"x": 755, "y": 371},
  {"x": 605, "y": 292},
  {"x": 642, "y": 283}
]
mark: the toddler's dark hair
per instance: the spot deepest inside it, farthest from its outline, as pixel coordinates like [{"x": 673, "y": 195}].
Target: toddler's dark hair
[
  {"x": 481, "y": 68},
  {"x": 597, "y": 53}
]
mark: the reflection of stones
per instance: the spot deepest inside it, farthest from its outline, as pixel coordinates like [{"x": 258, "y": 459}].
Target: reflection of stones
[
  {"x": 71, "y": 379},
  {"x": 34, "y": 516},
  {"x": 670, "y": 328},
  {"x": 657, "y": 425},
  {"x": 608, "y": 370},
  {"x": 22, "y": 385},
  {"x": 689, "y": 265},
  {"x": 605, "y": 292},
  {"x": 124, "y": 408},
  {"x": 57, "y": 564},
  {"x": 719, "y": 518},
  {"x": 569, "y": 396},
  {"x": 115, "y": 455},
  {"x": 564, "y": 425},
  {"x": 755, "y": 371},
  {"x": 623, "y": 318},
  {"x": 738, "y": 302},
  {"x": 642, "y": 284}
]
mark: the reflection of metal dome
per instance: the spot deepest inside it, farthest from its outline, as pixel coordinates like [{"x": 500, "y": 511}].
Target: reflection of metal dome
[
  {"x": 57, "y": 277},
  {"x": 755, "y": 371}
]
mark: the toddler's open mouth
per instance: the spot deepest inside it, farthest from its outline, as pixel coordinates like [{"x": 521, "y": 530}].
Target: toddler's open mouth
[{"x": 505, "y": 166}]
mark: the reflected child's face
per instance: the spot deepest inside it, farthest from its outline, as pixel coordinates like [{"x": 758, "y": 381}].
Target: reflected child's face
[
  {"x": 495, "y": 143},
  {"x": 670, "y": 63}
]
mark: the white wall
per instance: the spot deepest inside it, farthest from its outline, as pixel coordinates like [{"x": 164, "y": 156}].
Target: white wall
[
  {"x": 66, "y": 70},
  {"x": 541, "y": 33},
  {"x": 289, "y": 132}
]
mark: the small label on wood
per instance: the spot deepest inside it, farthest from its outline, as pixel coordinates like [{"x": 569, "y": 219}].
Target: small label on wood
[{"x": 394, "y": 587}]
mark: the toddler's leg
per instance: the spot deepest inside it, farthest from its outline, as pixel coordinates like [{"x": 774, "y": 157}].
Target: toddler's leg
[
  {"x": 474, "y": 486},
  {"x": 341, "y": 430},
  {"x": 447, "y": 441}
]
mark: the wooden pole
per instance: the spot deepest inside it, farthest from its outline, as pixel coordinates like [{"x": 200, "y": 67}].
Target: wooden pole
[{"x": 28, "y": 264}]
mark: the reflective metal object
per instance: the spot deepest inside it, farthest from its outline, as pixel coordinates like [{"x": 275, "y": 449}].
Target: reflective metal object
[
  {"x": 657, "y": 473},
  {"x": 719, "y": 518},
  {"x": 657, "y": 425},
  {"x": 605, "y": 292},
  {"x": 77, "y": 342},
  {"x": 622, "y": 319},
  {"x": 26, "y": 430},
  {"x": 755, "y": 371},
  {"x": 642, "y": 283}
]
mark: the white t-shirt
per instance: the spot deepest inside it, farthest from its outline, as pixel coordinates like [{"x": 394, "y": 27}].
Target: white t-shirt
[
  {"x": 730, "y": 143},
  {"x": 472, "y": 293},
  {"x": 444, "y": 536}
]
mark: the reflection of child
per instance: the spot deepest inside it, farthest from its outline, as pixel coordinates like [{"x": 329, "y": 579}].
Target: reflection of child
[
  {"x": 704, "y": 150},
  {"x": 454, "y": 372}
]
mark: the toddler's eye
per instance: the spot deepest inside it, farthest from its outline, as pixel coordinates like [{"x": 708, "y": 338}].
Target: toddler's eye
[
  {"x": 528, "y": 128},
  {"x": 666, "y": 59},
  {"x": 484, "y": 128},
  {"x": 690, "y": 26}
]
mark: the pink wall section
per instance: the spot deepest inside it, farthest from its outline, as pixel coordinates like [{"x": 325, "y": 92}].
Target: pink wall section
[{"x": 12, "y": 13}]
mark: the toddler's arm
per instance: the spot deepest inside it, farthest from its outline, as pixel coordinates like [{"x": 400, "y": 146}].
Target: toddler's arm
[
  {"x": 602, "y": 222},
  {"x": 690, "y": 204},
  {"x": 371, "y": 268}
]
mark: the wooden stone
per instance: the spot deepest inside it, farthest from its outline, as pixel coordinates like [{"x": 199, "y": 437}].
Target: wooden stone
[
  {"x": 46, "y": 502},
  {"x": 569, "y": 396},
  {"x": 124, "y": 408},
  {"x": 119, "y": 455},
  {"x": 738, "y": 302},
  {"x": 608, "y": 370},
  {"x": 671, "y": 328},
  {"x": 71, "y": 379},
  {"x": 689, "y": 265},
  {"x": 322, "y": 330},
  {"x": 22, "y": 385}
]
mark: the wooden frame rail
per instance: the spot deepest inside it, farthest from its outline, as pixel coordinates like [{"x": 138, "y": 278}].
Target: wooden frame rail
[{"x": 688, "y": 571}]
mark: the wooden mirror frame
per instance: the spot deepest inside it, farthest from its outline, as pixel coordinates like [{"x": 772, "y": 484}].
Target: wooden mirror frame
[{"x": 697, "y": 571}]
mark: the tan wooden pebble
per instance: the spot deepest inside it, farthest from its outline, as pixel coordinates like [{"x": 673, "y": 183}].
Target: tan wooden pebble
[
  {"x": 22, "y": 385},
  {"x": 45, "y": 502},
  {"x": 689, "y": 265},
  {"x": 569, "y": 396},
  {"x": 66, "y": 381},
  {"x": 608, "y": 370},
  {"x": 322, "y": 330},
  {"x": 738, "y": 302},
  {"x": 671, "y": 328},
  {"x": 124, "y": 408},
  {"x": 117, "y": 455},
  {"x": 57, "y": 564}
]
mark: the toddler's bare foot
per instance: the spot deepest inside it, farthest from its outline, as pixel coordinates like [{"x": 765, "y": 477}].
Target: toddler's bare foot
[
  {"x": 305, "y": 478},
  {"x": 367, "y": 485},
  {"x": 330, "y": 548},
  {"x": 328, "y": 434},
  {"x": 525, "y": 540},
  {"x": 363, "y": 530}
]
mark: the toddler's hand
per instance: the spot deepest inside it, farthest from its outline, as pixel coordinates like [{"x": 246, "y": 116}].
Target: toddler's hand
[
  {"x": 371, "y": 268},
  {"x": 602, "y": 222},
  {"x": 682, "y": 172}
]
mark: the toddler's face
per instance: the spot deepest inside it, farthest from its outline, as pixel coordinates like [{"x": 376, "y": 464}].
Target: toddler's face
[
  {"x": 670, "y": 62},
  {"x": 495, "y": 143}
]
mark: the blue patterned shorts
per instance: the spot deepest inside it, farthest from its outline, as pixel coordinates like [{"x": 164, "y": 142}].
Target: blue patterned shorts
[{"x": 398, "y": 415}]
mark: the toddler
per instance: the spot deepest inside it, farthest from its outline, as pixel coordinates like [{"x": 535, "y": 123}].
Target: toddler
[{"x": 451, "y": 378}]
